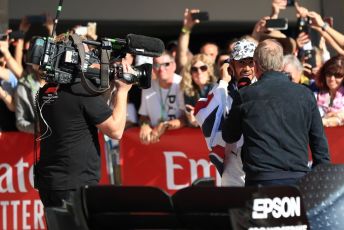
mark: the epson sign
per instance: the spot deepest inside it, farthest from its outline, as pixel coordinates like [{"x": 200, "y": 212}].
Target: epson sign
[{"x": 276, "y": 207}]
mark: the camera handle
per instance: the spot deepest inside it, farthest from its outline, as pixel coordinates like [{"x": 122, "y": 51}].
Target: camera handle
[{"x": 104, "y": 68}]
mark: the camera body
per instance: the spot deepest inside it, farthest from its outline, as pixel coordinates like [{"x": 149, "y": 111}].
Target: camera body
[
  {"x": 304, "y": 25},
  {"x": 58, "y": 60},
  {"x": 61, "y": 63}
]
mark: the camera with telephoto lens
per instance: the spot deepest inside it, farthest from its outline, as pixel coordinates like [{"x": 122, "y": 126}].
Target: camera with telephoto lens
[{"x": 64, "y": 59}]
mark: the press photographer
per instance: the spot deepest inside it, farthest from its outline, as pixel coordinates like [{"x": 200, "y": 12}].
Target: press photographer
[{"x": 71, "y": 106}]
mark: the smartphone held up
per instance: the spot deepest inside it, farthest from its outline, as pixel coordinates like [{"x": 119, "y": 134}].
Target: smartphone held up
[
  {"x": 277, "y": 24},
  {"x": 202, "y": 16}
]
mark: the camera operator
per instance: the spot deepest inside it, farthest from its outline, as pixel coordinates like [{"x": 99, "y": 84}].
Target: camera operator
[{"x": 69, "y": 147}]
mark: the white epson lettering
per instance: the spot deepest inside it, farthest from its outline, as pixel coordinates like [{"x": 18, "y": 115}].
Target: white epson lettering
[
  {"x": 194, "y": 165},
  {"x": 171, "y": 167},
  {"x": 277, "y": 207}
]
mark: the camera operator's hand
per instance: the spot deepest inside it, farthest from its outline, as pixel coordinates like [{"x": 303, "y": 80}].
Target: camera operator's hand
[{"x": 121, "y": 84}]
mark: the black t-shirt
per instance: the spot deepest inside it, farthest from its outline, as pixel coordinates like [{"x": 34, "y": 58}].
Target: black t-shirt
[{"x": 70, "y": 154}]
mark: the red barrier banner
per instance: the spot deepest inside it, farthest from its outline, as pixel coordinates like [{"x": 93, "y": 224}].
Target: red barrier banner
[
  {"x": 175, "y": 162},
  {"x": 335, "y": 138},
  {"x": 20, "y": 206},
  {"x": 181, "y": 156}
]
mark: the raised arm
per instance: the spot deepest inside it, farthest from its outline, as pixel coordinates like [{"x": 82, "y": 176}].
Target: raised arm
[
  {"x": 184, "y": 38},
  {"x": 11, "y": 62},
  {"x": 332, "y": 37},
  {"x": 277, "y": 6}
]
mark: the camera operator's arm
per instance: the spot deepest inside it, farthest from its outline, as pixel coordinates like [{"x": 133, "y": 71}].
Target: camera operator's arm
[
  {"x": 11, "y": 63},
  {"x": 184, "y": 38},
  {"x": 114, "y": 125}
]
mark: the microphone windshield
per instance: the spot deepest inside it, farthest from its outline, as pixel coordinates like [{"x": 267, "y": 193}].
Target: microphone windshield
[
  {"x": 143, "y": 45},
  {"x": 243, "y": 82}
]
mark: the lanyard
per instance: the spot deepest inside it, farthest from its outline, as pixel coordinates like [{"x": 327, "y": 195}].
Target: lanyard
[{"x": 163, "y": 103}]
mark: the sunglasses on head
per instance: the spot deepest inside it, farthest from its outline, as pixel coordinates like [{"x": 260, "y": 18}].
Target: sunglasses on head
[
  {"x": 336, "y": 75},
  {"x": 158, "y": 65},
  {"x": 194, "y": 69}
]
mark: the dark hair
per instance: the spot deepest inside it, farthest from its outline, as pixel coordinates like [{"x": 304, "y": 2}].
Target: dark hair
[
  {"x": 221, "y": 52},
  {"x": 335, "y": 65}
]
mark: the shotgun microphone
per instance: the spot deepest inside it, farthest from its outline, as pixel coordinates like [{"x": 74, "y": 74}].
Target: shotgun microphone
[
  {"x": 134, "y": 44},
  {"x": 143, "y": 45}
]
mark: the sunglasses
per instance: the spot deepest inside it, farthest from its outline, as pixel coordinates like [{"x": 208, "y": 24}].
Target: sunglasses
[
  {"x": 194, "y": 69},
  {"x": 158, "y": 65},
  {"x": 336, "y": 75},
  {"x": 246, "y": 61}
]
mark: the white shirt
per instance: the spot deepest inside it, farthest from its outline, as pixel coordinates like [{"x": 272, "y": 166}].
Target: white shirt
[{"x": 162, "y": 104}]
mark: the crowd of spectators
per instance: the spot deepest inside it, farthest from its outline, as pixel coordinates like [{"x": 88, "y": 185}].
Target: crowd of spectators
[{"x": 180, "y": 77}]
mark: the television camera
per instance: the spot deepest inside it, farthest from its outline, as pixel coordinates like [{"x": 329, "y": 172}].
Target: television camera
[{"x": 66, "y": 58}]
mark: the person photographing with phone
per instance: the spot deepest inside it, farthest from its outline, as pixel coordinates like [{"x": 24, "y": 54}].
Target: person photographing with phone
[{"x": 192, "y": 17}]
